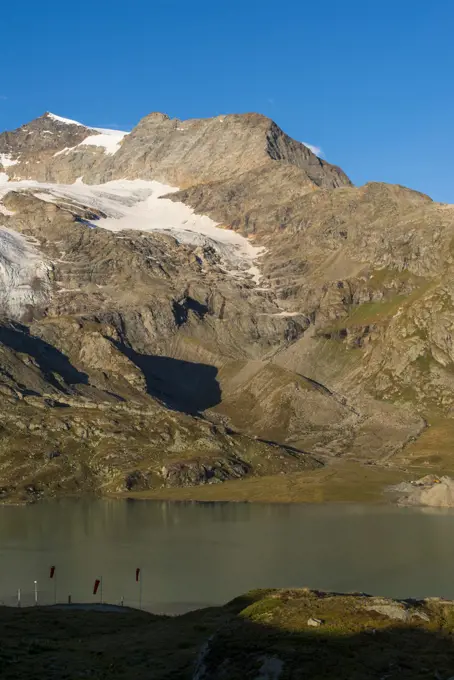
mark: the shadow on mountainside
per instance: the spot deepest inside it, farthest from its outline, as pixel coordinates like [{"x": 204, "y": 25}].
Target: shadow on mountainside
[
  {"x": 182, "y": 385},
  {"x": 260, "y": 652},
  {"x": 48, "y": 358},
  {"x": 221, "y": 643},
  {"x": 348, "y": 645}
]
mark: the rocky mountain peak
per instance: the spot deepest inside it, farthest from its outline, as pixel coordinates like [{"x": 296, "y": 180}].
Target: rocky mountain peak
[
  {"x": 180, "y": 153},
  {"x": 210, "y": 149},
  {"x": 204, "y": 274},
  {"x": 156, "y": 116},
  {"x": 42, "y": 135}
]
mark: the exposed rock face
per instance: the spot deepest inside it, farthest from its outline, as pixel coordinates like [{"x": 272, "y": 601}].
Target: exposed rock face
[
  {"x": 204, "y": 472},
  {"x": 430, "y": 491},
  {"x": 210, "y": 274},
  {"x": 179, "y": 153},
  {"x": 42, "y": 136}
]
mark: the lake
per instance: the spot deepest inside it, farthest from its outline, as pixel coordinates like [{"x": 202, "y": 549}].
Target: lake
[{"x": 197, "y": 554}]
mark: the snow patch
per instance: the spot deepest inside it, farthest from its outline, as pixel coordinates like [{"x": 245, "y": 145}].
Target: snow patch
[
  {"x": 23, "y": 274},
  {"x": 287, "y": 314},
  {"x": 282, "y": 313},
  {"x": 109, "y": 139},
  {"x": 64, "y": 151},
  {"x": 139, "y": 205},
  {"x": 7, "y": 161},
  {"x": 68, "y": 290},
  {"x": 67, "y": 121},
  {"x": 109, "y": 131},
  {"x": 5, "y": 211}
]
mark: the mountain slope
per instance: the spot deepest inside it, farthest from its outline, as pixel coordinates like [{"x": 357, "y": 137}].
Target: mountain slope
[{"x": 219, "y": 274}]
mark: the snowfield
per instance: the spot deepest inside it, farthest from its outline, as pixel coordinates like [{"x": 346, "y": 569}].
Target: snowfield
[
  {"x": 23, "y": 274},
  {"x": 67, "y": 121},
  {"x": 138, "y": 205},
  {"x": 109, "y": 139},
  {"x": 6, "y": 160}
]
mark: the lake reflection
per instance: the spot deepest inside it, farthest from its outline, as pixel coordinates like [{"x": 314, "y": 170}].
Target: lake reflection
[{"x": 195, "y": 554}]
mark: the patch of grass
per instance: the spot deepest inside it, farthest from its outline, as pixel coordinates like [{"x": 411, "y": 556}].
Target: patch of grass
[
  {"x": 262, "y": 610},
  {"x": 406, "y": 393},
  {"x": 433, "y": 449},
  {"x": 54, "y": 644},
  {"x": 382, "y": 278},
  {"x": 367, "y": 314},
  {"x": 353, "y": 641},
  {"x": 341, "y": 481},
  {"x": 375, "y": 313}
]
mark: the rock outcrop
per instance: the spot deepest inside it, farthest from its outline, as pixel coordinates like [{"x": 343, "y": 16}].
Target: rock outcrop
[
  {"x": 280, "y": 634},
  {"x": 430, "y": 491}
]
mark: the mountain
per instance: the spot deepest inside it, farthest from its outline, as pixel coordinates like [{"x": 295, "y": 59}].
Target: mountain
[{"x": 203, "y": 301}]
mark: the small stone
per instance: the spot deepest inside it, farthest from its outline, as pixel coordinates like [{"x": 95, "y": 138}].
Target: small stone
[{"x": 315, "y": 623}]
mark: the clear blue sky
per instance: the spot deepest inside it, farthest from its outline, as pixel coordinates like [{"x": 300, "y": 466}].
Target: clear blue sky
[{"x": 371, "y": 82}]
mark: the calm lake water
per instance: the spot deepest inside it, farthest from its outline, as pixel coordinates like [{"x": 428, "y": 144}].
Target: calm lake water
[{"x": 194, "y": 554}]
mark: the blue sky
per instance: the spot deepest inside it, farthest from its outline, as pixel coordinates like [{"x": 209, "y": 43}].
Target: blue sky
[{"x": 371, "y": 83}]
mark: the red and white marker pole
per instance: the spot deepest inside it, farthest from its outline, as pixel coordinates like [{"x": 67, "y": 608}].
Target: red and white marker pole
[
  {"x": 98, "y": 586},
  {"x": 139, "y": 581},
  {"x": 53, "y": 576}
]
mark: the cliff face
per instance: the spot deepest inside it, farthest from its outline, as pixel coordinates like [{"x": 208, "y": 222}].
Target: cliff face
[{"x": 212, "y": 274}]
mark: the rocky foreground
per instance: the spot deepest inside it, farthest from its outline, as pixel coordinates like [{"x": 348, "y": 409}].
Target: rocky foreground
[{"x": 264, "y": 635}]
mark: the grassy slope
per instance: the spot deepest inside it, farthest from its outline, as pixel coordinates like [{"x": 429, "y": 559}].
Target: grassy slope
[
  {"x": 433, "y": 449},
  {"x": 353, "y": 642},
  {"x": 46, "y": 643},
  {"x": 381, "y": 312},
  {"x": 341, "y": 481}
]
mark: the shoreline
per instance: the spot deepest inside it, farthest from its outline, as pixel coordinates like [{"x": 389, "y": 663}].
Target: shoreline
[{"x": 341, "y": 481}]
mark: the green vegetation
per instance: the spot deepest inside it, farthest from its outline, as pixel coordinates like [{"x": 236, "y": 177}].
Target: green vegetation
[
  {"x": 358, "y": 637},
  {"x": 341, "y": 481},
  {"x": 433, "y": 449},
  {"x": 386, "y": 277},
  {"x": 369, "y": 313},
  {"x": 351, "y": 637}
]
